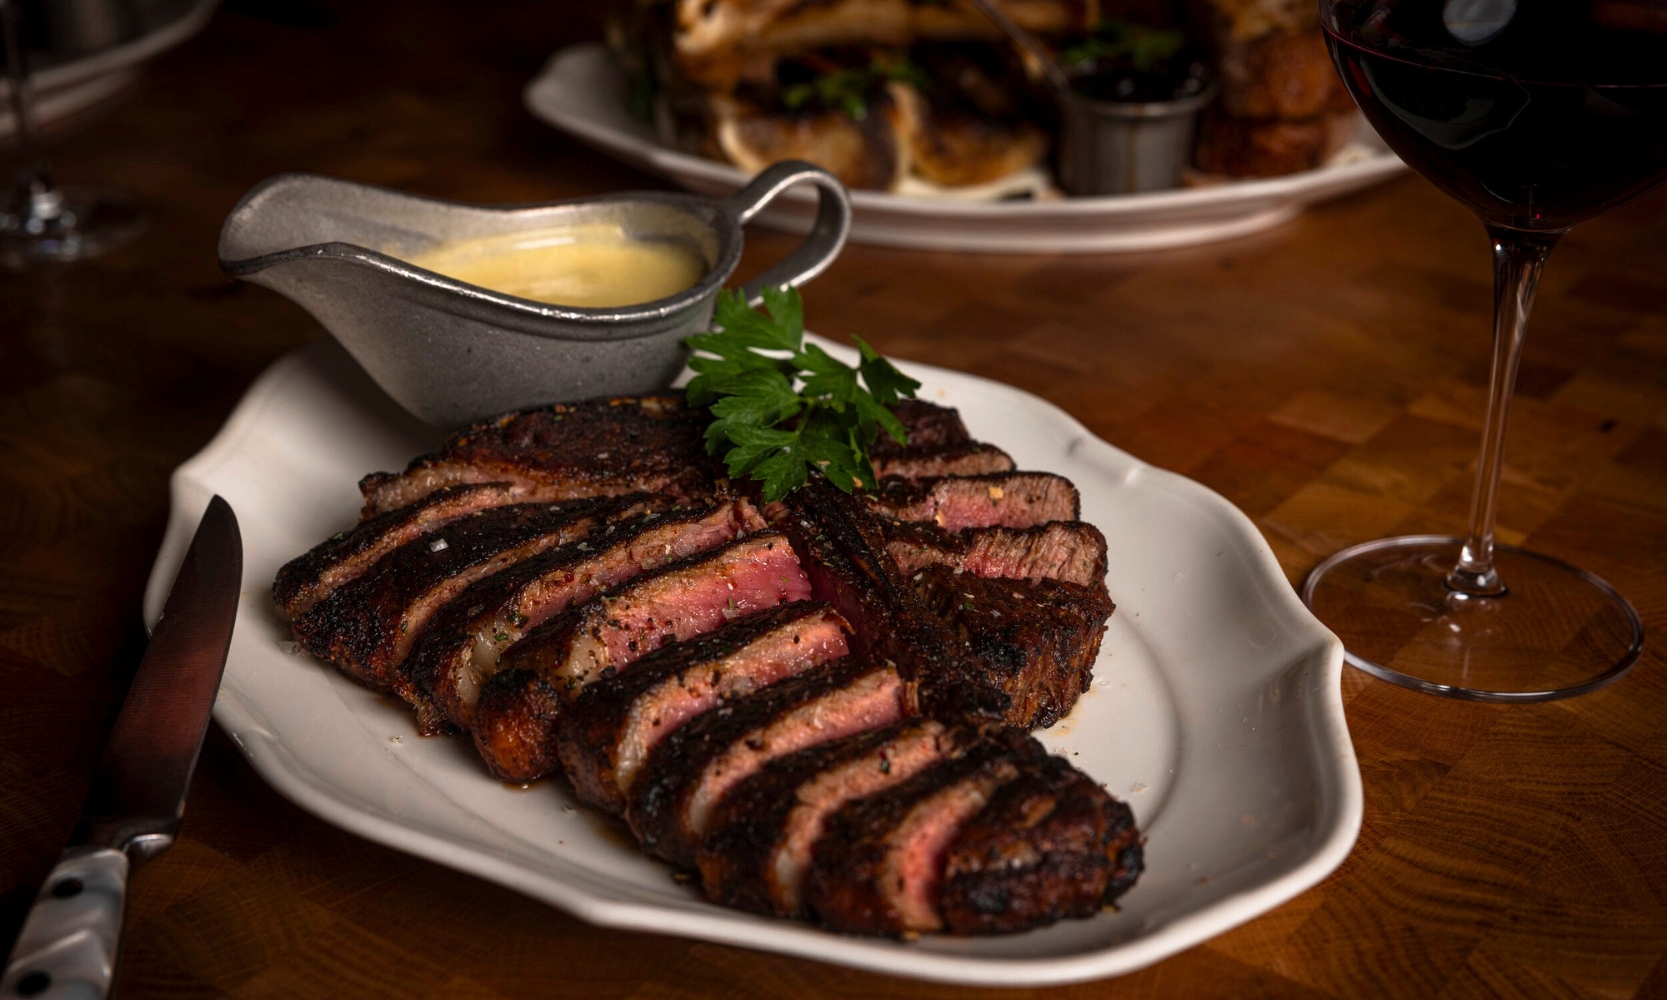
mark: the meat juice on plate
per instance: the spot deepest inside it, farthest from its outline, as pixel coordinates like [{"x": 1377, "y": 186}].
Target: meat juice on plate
[{"x": 1535, "y": 113}]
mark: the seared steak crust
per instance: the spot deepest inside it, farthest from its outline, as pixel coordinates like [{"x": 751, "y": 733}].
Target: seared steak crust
[
  {"x": 1068, "y": 551},
  {"x": 1050, "y": 845},
  {"x": 967, "y": 459},
  {"x": 930, "y": 427},
  {"x": 1006, "y": 499},
  {"x": 1036, "y": 641},
  {"x": 609, "y": 730},
  {"x": 366, "y": 627},
  {"x": 842, "y": 549},
  {"x": 603, "y": 446},
  {"x": 343, "y": 558},
  {"x": 460, "y": 649},
  {"x": 515, "y": 721},
  {"x": 878, "y": 866},
  {"x": 680, "y": 601},
  {"x": 687, "y": 776},
  {"x": 759, "y": 849}
]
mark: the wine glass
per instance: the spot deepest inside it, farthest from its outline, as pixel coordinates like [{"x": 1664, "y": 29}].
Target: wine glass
[
  {"x": 1536, "y": 114},
  {"x": 42, "y": 221}
]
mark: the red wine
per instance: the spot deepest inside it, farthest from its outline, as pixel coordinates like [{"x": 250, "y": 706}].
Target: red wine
[{"x": 1535, "y": 113}]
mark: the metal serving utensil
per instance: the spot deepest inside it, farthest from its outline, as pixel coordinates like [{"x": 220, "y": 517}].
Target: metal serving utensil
[{"x": 71, "y": 937}]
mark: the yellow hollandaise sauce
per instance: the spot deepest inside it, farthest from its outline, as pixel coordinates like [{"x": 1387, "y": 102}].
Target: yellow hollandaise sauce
[{"x": 592, "y": 266}]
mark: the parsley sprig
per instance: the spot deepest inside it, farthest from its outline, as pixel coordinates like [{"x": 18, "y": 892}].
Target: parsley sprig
[{"x": 782, "y": 406}]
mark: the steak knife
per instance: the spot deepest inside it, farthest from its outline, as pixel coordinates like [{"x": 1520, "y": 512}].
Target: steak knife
[{"x": 69, "y": 942}]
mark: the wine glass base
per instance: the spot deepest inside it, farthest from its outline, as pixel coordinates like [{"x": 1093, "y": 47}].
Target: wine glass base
[
  {"x": 86, "y": 222},
  {"x": 1557, "y": 631}
]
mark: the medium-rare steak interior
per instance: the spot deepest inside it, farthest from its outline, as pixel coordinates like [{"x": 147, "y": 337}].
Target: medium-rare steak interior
[{"x": 819, "y": 705}]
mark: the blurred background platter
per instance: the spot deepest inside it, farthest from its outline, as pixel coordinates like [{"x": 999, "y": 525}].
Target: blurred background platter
[
  {"x": 84, "y": 51},
  {"x": 583, "y": 92}
]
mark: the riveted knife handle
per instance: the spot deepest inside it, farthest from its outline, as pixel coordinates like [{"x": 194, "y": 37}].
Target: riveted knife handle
[{"x": 67, "y": 950}]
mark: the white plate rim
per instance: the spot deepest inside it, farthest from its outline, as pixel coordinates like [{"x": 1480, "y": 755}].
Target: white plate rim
[{"x": 1335, "y": 763}]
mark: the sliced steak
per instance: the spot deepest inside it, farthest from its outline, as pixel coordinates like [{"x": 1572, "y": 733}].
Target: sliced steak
[
  {"x": 677, "y": 793},
  {"x": 366, "y": 627},
  {"x": 1036, "y": 641},
  {"x": 609, "y": 730},
  {"x": 878, "y": 867},
  {"x": 1069, "y": 551},
  {"x": 517, "y": 711},
  {"x": 461, "y": 647},
  {"x": 930, "y": 427},
  {"x": 1050, "y": 845},
  {"x": 343, "y": 558},
  {"x": 759, "y": 848},
  {"x": 683, "y": 600},
  {"x": 597, "y": 447},
  {"x": 968, "y": 459},
  {"x": 842, "y": 548},
  {"x": 1007, "y": 500}
]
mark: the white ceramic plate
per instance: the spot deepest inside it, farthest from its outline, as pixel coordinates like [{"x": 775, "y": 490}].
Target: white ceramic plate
[
  {"x": 69, "y": 87},
  {"x": 581, "y": 91},
  {"x": 1215, "y": 711}
]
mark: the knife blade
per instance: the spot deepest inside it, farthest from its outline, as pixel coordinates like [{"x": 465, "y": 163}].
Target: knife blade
[{"x": 69, "y": 941}]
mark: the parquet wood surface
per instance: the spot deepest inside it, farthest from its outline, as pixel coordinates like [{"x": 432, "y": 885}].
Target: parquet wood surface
[{"x": 1327, "y": 377}]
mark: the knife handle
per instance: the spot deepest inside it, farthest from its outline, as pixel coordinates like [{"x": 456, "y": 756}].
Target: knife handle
[{"x": 67, "y": 950}]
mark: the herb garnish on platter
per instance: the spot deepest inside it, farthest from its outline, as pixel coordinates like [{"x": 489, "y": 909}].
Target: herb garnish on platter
[{"x": 783, "y": 406}]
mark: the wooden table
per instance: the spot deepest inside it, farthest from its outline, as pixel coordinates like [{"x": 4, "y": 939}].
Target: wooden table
[{"x": 1327, "y": 377}]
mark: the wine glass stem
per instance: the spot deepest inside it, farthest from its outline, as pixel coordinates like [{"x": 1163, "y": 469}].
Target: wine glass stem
[
  {"x": 1518, "y": 256},
  {"x": 36, "y": 195}
]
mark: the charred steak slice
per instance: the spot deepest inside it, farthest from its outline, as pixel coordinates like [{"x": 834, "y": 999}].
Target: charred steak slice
[
  {"x": 1007, "y": 500},
  {"x": 518, "y": 708},
  {"x": 609, "y": 730},
  {"x": 597, "y": 447},
  {"x": 683, "y": 600},
  {"x": 461, "y": 647},
  {"x": 1068, "y": 551},
  {"x": 759, "y": 848},
  {"x": 1051, "y": 845},
  {"x": 367, "y": 627},
  {"x": 842, "y": 548},
  {"x": 315, "y": 575},
  {"x": 968, "y": 459},
  {"x": 677, "y": 794},
  {"x": 930, "y": 427},
  {"x": 878, "y": 867},
  {"x": 1036, "y": 640}
]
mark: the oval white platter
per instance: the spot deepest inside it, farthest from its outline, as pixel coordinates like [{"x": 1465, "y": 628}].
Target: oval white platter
[
  {"x": 1215, "y": 712},
  {"x": 582, "y": 92}
]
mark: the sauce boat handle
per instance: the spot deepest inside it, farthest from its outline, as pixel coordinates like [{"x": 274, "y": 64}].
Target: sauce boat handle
[{"x": 827, "y": 235}]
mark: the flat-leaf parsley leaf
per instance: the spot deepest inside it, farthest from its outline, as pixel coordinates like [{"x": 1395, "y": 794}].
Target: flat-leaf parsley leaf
[{"x": 782, "y": 407}]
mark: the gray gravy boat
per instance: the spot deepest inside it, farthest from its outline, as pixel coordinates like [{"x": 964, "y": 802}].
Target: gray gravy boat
[{"x": 452, "y": 352}]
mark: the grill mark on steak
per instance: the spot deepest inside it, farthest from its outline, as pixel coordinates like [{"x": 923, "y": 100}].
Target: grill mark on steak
[
  {"x": 968, "y": 459},
  {"x": 517, "y": 713},
  {"x": 609, "y": 730},
  {"x": 367, "y": 627},
  {"x": 1068, "y": 551},
  {"x": 878, "y": 867},
  {"x": 759, "y": 848},
  {"x": 461, "y": 648},
  {"x": 337, "y": 561},
  {"x": 680, "y": 601},
  {"x": 604, "y": 446},
  {"x": 687, "y": 776},
  {"x": 841, "y": 548},
  {"x": 1051, "y": 845},
  {"x": 1006, "y": 500},
  {"x": 1036, "y": 641}
]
